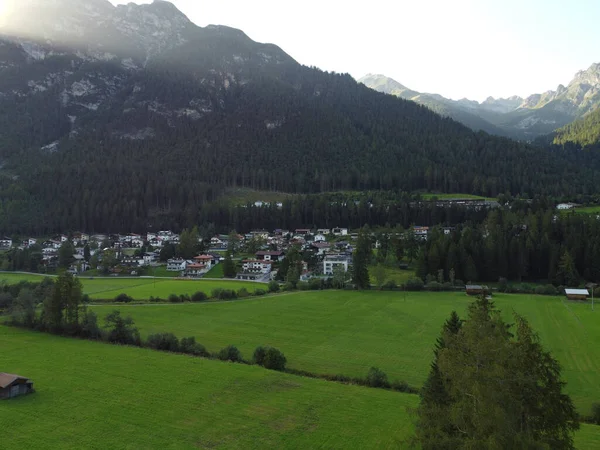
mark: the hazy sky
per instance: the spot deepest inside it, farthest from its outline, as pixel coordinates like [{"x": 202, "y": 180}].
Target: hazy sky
[{"x": 458, "y": 48}]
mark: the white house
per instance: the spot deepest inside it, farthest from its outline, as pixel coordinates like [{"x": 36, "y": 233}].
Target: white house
[
  {"x": 332, "y": 261},
  {"x": 421, "y": 232},
  {"x": 206, "y": 260},
  {"x": 324, "y": 231},
  {"x": 195, "y": 270},
  {"x": 31, "y": 241},
  {"x": 257, "y": 267},
  {"x": 339, "y": 231},
  {"x": 269, "y": 256},
  {"x": 176, "y": 265},
  {"x": 149, "y": 258},
  {"x": 319, "y": 238},
  {"x": 151, "y": 236},
  {"x": 321, "y": 247},
  {"x": 6, "y": 242},
  {"x": 564, "y": 206}
]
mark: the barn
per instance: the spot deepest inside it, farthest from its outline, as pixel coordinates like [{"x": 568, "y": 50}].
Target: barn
[
  {"x": 577, "y": 294},
  {"x": 475, "y": 289},
  {"x": 14, "y": 385}
]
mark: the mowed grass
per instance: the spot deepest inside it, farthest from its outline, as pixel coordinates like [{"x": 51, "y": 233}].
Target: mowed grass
[
  {"x": 588, "y": 210},
  {"x": 144, "y": 288},
  {"x": 399, "y": 276},
  {"x": 346, "y": 332},
  {"x": 429, "y": 196},
  {"x": 99, "y": 396},
  {"x": 13, "y": 278}
]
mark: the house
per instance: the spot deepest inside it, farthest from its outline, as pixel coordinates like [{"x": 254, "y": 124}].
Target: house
[
  {"x": 176, "y": 265},
  {"x": 31, "y": 241},
  {"x": 448, "y": 230},
  {"x": 6, "y": 242},
  {"x": 149, "y": 258},
  {"x": 270, "y": 256},
  {"x": 319, "y": 238},
  {"x": 64, "y": 238},
  {"x": 324, "y": 231},
  {"x": 217, "y": 242},
  {"x": 302, "y": 231},
  {"x": 577, "y": 294},
  {"x": 260, "y": 234},
  {"x": 207, "y": 260},
  {"x": 330, "y": 262},
  {"x": 321, "y": 247},
  {"x": 339, "y": 231},
  {"x": 421, "y": 232},
  {"x": 14, "y": 385},
  {"x": 253, "y": 269},
  {"x": 565, "y": 206},
  {"x": 194, "y": 270},
  {"x": 475, "y": 289}
]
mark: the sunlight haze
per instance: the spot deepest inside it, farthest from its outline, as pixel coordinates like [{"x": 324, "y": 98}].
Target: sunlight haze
[{"x": 464, "y": 48}]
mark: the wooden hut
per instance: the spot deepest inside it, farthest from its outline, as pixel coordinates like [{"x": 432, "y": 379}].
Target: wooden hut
[
  {"x": 577, "y": 294},
  {"x": 474, "y": 289},
  {"x": 14, "y": 385}
]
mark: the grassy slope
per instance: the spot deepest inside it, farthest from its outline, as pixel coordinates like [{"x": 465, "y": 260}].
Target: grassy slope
[
  {"x": 92, "y": 395},
  {"x": 140, "y": 288},
  {"x": 348, "y": 332},
  {"x": 428, "y": 196},
  {"x": 397, "y": 275}
]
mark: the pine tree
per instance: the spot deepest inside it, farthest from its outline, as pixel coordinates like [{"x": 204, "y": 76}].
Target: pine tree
[
  {"x": 362, "y": 257},
  {"x": 229, "y": 266}
]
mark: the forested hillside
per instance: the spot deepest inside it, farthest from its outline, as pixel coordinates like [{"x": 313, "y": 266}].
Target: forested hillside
[
  {"x": 584, "y": 132},
  {"x": 147, "y": 134}
]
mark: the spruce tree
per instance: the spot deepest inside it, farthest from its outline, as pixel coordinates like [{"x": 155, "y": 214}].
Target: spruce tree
[
  {"x": 362, "y": 257},
  {"x": 229, "y": 266}
]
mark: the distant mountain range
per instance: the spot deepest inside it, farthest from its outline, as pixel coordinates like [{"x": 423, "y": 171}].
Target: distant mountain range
[{"x": 516, "y": 117}]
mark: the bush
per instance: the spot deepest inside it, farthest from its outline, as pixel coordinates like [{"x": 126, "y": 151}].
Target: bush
[
  {"x": 274, "y": 359},
  {"x": 230, "y": 353},
  {"x": 377, "y": 378},
  {"x": 123, "y": 298},
  {"x": 243, "y": 293},
  {"x": 191, "y": 347},
  {"x": 163, "y": 341},
  {"x": 289, "y": 286},
  {"x": 302, "y": 286},
  {"x": 315, "y": 284},
  {"x": 259, "y": 355},
  {"x": 414, "y": 284},
  {"x": 174, "y": 298},
  {"x": 595, "y": 417},
  {"x": 273, "y": 286},
  {"x": 390, "y": 285},
  {"x": 199, "y": 297},
  {"x": 547, "y": 289},
  {"x": 224, "y": 294},
  {"x": 89, "y": 326},
  {"x": 259, "y": 292},
  {"x": 185, "y": 298},
  {"x": 434, "y": 286}
]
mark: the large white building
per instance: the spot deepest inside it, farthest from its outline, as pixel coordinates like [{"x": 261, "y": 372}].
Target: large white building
[{"x": 332, "y": 261}]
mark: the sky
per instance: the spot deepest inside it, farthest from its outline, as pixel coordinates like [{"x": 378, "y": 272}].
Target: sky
[{"x": 457, "y": 48}]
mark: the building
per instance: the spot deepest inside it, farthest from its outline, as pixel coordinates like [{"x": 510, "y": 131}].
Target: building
[
  {"x": 577, "y": 294},
  {"x": 330, "y": 262},
  {"x": 207, "y": 260},
  {"x": 194, "y": 270},
  {"x": 176, "y": 265},
  {"x": 321, "y": 247},
  {"x": 475, "y": 289},
  {"x": 421, "y": 232},
  {"x": 270, "y": 256},
  {"x": 14, "y": 385},
  {"x": 339, "y": 231},
  {"x": 564, "y": 206},
  {"x": 253, "y": 269},
  {"x": 6, "y": 242}
]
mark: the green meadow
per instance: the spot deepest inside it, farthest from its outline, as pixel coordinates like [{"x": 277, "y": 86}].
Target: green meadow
[
  {"x": 100, "y": 396},
  {"x": 107, "y": 288},
  {"x": 346, "y": 332}
]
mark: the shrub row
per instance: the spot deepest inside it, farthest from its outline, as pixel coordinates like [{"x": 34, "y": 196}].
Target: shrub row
[{"x": 216, "y": 294}]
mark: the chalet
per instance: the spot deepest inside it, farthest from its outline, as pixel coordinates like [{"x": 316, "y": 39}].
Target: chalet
[
  {"x": 577, "y": 294},
  {"x": 320, "y": 247},
  {"x": 14, "y": 385},
  {"x": 6, "y": 242},
  {"x": 194, "y": 270},
  {"x": 31, "y": 241},
  {"x": 176, "y": 265},
  {"x": 421, "y": 232},
  {"x": 339, "y": 231},
  {"x": 319, "y": 238},
  {"x": 330, "y": 262},
  {"x": 270, "y": 256},
  {"x": 259, "y": 234},
  {"x": 302, "y": 231},
  {"x": 151, "y": 236},
  {"x": 207, "y": 260},
  {"x": 565, "y": 206},
  {"x": 81, "y": 238},
  {"x": 149, "y": 258},
  {"x": 217, "y": 242},
  {"x": 253, "y": 269},
  {"x": 475, "y": 289},
  {"x": 324, "y": 231},
  {"x": 155, "y": 243},
  {"x": 98, "y": 237}
]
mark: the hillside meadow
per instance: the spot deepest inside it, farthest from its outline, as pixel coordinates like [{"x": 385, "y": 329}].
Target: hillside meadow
[
  {"x": 99, "y": 396},
  {"x": 346, "y": 332},
  {"x": 107, "y": 288}
]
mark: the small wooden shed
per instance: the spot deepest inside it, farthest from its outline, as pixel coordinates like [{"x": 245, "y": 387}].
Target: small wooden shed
[
  {"x": 14, "y": 385},
  {"x": 577, "y": 294},
  {"x": 475, "y": 289}
]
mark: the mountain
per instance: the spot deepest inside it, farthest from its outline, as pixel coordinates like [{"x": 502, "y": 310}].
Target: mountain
[
  {"x": 583, "y": 132},
  {"x": 464, "y": 111},
  {"x": 525, "y": 119},
  {"x": 125, "y": 118}
]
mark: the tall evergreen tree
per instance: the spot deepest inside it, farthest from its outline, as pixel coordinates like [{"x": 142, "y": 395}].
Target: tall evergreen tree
[
  {"x": 361, "y": 260},
  {"x": 229, "y": 266}
]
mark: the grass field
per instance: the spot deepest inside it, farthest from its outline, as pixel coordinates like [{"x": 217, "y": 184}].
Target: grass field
[
  {"x": 429, "y": 196},
  {"x": 99, "y": 396},
  {"x": 397, "y": 275},
  {"x": 215, "y": 272},
  {"x": 345, "y": 332},
  {"x": 588, "y": 210},
  {"x": 140, "y": 288}
]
